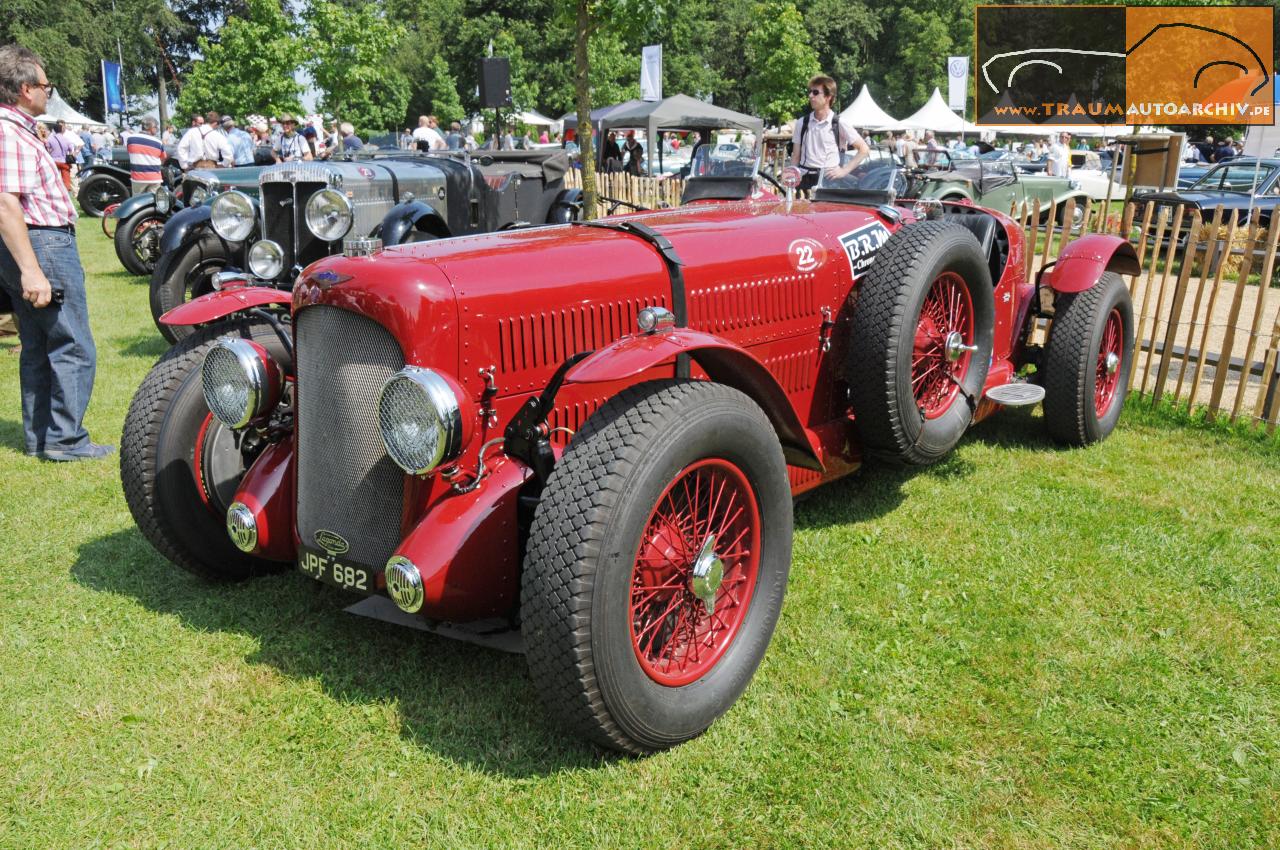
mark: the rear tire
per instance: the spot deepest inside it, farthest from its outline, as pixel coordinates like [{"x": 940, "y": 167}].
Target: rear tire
[
  {"x": 1084, "y": 393},
  {"x": 912, "y": 388},
  {"x": 99, "y": 191},
  {"x": 620, "y": 648},
  {"x": 182, "y": 275},
  {"x": 179, "y": 465}
]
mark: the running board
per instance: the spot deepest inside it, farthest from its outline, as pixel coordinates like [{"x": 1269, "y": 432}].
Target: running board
[{"x": 1018, "y": 394}]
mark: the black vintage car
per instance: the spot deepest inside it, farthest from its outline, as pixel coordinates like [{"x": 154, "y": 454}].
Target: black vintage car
[
  {"x": 1248, "y": 185},
  {"x": 104, "y": 180},
  {"x": 140, "y": 220},
  {"x": 305, "y": 210}
]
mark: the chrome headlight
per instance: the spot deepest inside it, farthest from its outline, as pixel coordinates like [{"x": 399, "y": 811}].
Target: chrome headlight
[
  {"x": 242, "y": 527},
  {"x": 232, "y": 216},
  {"x": 421, "y": 419},
  {"x": 164, "y": 201},
  {"x": 329, "y": 214},
  {"x": 241, "y": 381},
  {"x": 266, "y": 259},
  {"x": 404, "y": 584},
  {"x": 199, "y": 194}
]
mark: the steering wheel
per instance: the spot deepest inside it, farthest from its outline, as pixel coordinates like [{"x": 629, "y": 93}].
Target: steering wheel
[{"x": 767, "y": 176}]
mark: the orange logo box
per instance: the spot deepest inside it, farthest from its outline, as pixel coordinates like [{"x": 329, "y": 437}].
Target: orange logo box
[{"x": 1199, "y": 65}]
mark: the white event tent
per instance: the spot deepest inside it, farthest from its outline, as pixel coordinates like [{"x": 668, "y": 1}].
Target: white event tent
[
  {"x": 937, "y": 116},
  {"x": 535, "y": 118},
  {"x": 865, "y": 113},
  {"x": 58, "y": 109}
]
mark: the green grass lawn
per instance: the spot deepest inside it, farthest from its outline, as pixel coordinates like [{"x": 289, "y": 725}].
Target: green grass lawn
[{"x": 1020, "y": 647}]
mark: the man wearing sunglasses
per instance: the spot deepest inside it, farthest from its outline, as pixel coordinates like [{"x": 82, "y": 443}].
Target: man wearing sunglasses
[
  {"x": 41, "y": 273},
  {"x": 824, "y": 136}
]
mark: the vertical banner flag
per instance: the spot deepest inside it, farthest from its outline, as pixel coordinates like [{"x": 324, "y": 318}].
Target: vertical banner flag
[
  {"x": 958, "y": 78},
  {"x": 111, "y": 86},
  {"x": 651, "y": 72}
]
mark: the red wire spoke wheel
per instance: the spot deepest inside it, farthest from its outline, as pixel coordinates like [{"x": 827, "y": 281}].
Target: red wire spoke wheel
[
  {"x": 1087, "y": 361},
  {"x": 920, "y": 335},
  {"x": 1110, "y": 361},
  {"x": 656, "y": 564},
  {"x": 939, "y": 355},
  {"x": 695, "y": 572}
]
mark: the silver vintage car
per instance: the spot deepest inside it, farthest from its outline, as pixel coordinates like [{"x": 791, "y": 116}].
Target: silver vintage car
[{"x": 305, "y": 210}]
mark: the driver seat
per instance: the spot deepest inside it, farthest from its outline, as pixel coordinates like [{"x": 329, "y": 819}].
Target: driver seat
[{"x": 985, "y": 228}]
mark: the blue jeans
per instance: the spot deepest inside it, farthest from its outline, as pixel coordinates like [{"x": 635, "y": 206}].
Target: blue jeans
[{"x": 58, "y": 359}]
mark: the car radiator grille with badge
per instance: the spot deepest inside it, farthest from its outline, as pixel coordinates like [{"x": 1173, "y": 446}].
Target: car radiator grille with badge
[
  {"x": 350, "y": 493},
  {"x": 283, "y": 206}
]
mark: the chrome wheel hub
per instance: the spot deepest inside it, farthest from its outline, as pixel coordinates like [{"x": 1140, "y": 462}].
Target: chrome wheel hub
[
  {"x": 708, "y": 573},
  {"x": 956, "y": 348},
  {"x": 1112, "y": 362}
]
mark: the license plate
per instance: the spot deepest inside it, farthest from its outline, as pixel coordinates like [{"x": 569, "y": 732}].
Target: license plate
[{"x": 331, "y": 570}]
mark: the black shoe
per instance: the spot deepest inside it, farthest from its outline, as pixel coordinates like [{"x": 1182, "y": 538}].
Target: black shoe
[{"x": 89, "y": 451}]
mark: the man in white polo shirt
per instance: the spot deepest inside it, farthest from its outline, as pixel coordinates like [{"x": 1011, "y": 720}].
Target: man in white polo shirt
[{"x": 821, "y": 136}]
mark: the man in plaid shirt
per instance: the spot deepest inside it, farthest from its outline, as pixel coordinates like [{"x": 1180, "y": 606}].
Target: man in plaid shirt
[{"x": 40, "y": 271}]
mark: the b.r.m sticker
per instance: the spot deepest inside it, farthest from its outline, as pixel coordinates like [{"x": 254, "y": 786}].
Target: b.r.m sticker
[{"x": 861, "y": 245}]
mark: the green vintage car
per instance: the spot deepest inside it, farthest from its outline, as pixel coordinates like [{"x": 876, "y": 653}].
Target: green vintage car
[{"x": 996, "y": 185}]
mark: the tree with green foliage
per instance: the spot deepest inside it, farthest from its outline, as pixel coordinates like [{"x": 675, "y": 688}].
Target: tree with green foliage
[
  {"x": 351, "y": 63},
  {"x": 250, "y": 69},
  {"x": 842, "y": 31},
  {"x": 781, "y": 60}
]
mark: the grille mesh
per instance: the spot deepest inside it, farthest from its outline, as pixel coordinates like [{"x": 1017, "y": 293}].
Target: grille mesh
[{"x": 346, "y": 482}]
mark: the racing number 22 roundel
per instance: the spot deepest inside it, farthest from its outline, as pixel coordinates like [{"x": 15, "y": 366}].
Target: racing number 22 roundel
[{"x": 806, "y": 254}]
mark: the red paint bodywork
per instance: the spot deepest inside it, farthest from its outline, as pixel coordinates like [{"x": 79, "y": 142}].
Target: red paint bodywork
[
  {"x": 267, "y": 489},
  {"x": 1083, "y": 261},
  {"x": 224, "y": 302},
  {"x": 522, "y": 302}
]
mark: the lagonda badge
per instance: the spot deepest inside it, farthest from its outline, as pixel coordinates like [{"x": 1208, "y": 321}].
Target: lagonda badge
[{"x": 332, "y": 542}]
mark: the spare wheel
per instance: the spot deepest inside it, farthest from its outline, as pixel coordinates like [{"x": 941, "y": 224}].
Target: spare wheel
[{"x": 920, "y": 342}]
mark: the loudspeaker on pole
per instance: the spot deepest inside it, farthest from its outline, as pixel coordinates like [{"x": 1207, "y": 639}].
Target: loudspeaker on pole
[{"x": 495, "y": 82}]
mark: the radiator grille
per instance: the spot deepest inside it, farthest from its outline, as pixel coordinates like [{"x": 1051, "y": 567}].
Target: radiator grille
[
  {"x": 284, "y": 211},
  {"x": 346, "y": 482}
]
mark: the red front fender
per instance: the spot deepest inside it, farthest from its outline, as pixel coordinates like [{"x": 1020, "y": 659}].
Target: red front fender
[
  {"x": 724, "y": 362},
  {"x": 267, "y": 490},
  {"x": 467, "y": 548},
  {"x": 216, "y": 305},
  {"x": 1082, "y": 262}
]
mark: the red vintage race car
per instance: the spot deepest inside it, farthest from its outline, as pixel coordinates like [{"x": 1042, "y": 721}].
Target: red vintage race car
[{"x": 595, "y": 432}]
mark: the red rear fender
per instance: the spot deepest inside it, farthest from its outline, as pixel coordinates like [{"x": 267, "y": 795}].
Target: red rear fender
[
  {"x": 216, "y": 305},
  {"x": 1082, "y": 263},
  {"x": 724, "y": 362}
]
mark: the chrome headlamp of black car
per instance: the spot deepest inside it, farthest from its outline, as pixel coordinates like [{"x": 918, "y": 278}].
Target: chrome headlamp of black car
[
  {"x": 329, "y": 214},
  {"x": 241, "y": 381},
  {"x": 266, "y": 259},
  {"x": 420, "y": 417},
  {"x": 232, "y": 216},
  {"x": 164, "y": 201}
]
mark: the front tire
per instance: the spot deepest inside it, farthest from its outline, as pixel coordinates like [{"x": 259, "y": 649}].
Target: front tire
[
  {"x": 1087, "y": 362},
  {"x": 667, "y": 480},
  {"x": 99, "y": 191},
  {"x": 180, "y": 466},
  {"x": 137, "y": 241},
  {"x": 920, "y": 343},
  {"x": 182, "y": 275}
]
